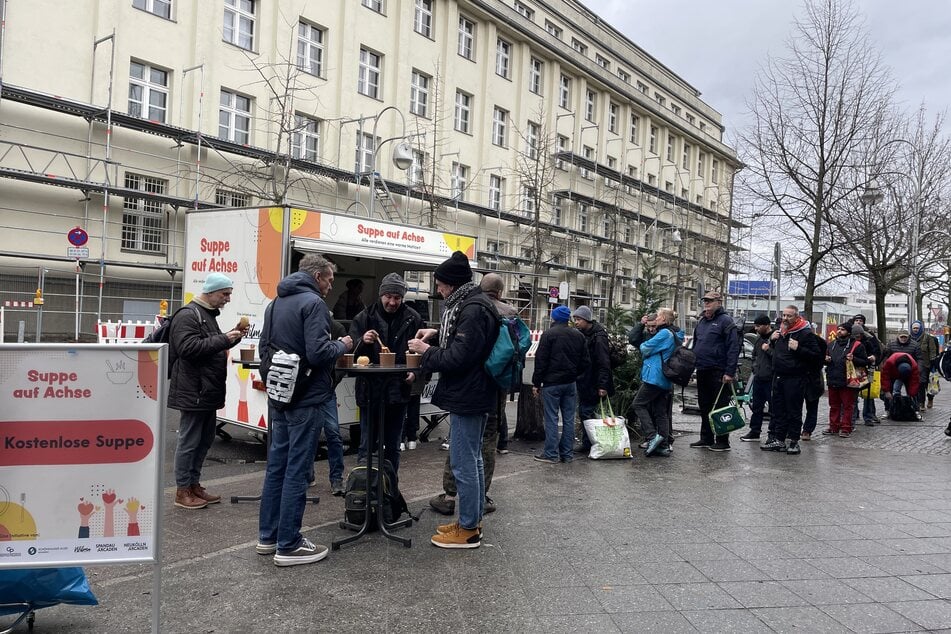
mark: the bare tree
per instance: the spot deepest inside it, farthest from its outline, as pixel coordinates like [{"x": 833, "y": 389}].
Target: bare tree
[{"x": 813, "y": 112}]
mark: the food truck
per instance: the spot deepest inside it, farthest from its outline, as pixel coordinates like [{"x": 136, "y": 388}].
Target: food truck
[{"x": 256, "y": 247}]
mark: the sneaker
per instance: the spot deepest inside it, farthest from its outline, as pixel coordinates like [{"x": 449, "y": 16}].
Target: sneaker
[
  {"x": 411, "y": 444},
  {"x": 947, "y": 430},
  {"x": 489, "y": 505},
  {"x": 664, "y": 452},
  {"x": 459, "y": 538},
  {"x": 443, "y": 529},
  {"x": 844, "y": 434},
  {"x": 445, "y": 504},
  {"x": 312, "y": 483},
  {"x": 567, "y": 459},
  {"x": 930, "y": 402},
  {"x": 644, "y": 444},
  {"x": 402, "y": 446},
  {"x": 502, "y": 452},
  {"x": 263, "y": 548},
  {"x": 336, "y": 488},
  {"x": 773, "y": 444},
  {"x": 792, "y": 447},
  {"x": 701, "y": 444},
  {"x": 829, "y": 432},
  {"x": 805, "y": 436},
  {"x": 870, "y": 423},
  {"x": 445, "y": 445},
  {"x": 719, "y": 446},
  {"x": 307, "y": 553},
  {"x": 750, "y": 436},
  {"x": 653, "y": 445},
  {"x": 543, "y": 458}
]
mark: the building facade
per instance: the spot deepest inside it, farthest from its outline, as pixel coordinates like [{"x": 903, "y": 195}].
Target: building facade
[{"x": 570, "y": 152}]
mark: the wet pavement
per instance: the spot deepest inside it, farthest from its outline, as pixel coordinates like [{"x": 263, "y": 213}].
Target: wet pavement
[{"x": 852, "y": 535}]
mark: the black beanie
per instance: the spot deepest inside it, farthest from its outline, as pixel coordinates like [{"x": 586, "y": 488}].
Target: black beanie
[{"x": 455, "y": 271}]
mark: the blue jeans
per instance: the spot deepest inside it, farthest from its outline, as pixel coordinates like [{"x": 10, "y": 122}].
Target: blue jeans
[
  {"x": 760, "y": 392},
  {"x": 561, "y": 398},
  {"x": 331, "y": 428},
  {"x": 292, "y": 441},
  {"x": 868, "y": 410},
  {"x": 465, "y": 456}
]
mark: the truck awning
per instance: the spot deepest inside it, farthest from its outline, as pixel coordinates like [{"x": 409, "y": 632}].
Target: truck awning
[{"x": 420, "y": 261}]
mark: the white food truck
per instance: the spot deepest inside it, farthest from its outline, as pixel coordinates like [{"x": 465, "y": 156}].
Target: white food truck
[{"x": 256, "y": 247}]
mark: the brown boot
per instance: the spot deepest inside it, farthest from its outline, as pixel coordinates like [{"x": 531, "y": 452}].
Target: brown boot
[
  {"x": 199, "y": 492},
  {"x": 186, "y": 499}
]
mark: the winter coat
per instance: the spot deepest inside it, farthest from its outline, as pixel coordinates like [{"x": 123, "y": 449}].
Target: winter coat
[
  {"x": 873, "y": 347},
  {"x": 762, "y": 359},
  {"x": 561, "y": 358},
  {"x": 655, "y": 351},
  {"x": 298, "y": 321},
  {"x": 912, "y": 348},
  {"x": 928, "y": 345},
  {"x": 198, "y": 354},
  {"x": 802, "y": 361},
  {"x": 637, "y": 335},
  {"x": 890, "y": 373},
  {"x": 838, "y": 350},
  {"x": 464, "y": 387},
  {"x": 395, "y": 335},
  {"x": 717, "y": 343},
  {"x": 597, "y": 375}
]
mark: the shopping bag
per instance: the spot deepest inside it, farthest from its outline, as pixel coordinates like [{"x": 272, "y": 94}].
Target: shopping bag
[
  {"x": 856, "y": 378},
  {"x": 728, "y": 418},
  {"x": 874, "y": 389},
  {"x": 934, "y": 384},
  {"x": 608, "y": 434}
]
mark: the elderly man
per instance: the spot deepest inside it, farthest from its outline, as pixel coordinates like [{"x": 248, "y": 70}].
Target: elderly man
[
  {"x": 717, "y": 347},
  {"x": 597, "y": 382},
  {"x": 198, "y": 357},
  {"x": 462, "y": 344}
]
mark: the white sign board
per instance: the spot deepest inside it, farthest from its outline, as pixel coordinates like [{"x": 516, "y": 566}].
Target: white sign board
[
  {"x": 78, "y": 253},
  {"x": 80, "y": 453}
]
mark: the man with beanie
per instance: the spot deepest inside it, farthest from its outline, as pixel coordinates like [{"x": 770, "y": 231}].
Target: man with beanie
[
  {"x": 846, "y": 348},
  {"x": 762, "y": 383},
  {"x": 597, "y": 382},
  {"x": 560, "y": 360},
  {"x": 198, "y": 358},
  {"x": 386, "y": 323},
  {"x": 297, "y": 322},
  {"x": 467, "y": 334}
]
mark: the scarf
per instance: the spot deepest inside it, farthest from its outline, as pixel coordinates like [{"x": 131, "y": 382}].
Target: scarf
[
  {"x": 798, "y": 325},
  {"x": 451, "y": 311},
  {"x": 921, "y": 330}
]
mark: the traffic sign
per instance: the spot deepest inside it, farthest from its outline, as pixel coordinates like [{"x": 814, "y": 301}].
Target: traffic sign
[
  {"x": 77, "y": 237},
  {"x": 78, "y": 253}
]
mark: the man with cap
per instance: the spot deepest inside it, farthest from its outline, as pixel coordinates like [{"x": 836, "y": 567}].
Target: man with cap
[
  {"x": 198, "y": 358},
  {"x": 390, "y": 323},
  {"x": 762, "y": 383},
  {"x": 597, "y": 382},
  {"x": 717, "y": 348},
  {"x": 560, "y": 360},
  {"x": 458, "y": 351}
]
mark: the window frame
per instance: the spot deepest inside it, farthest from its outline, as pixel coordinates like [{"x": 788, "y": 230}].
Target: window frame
[
  {"x": 235, "y": 114},
  {"x": 238, "y": 17},
  {"x": 148, "y": 87},
  {"x": 496, "y": 191},
  {"x": 503, "y": 58},
  {"x": 306, "y": 133},
  {"x": 374, "y": 5},
  {"x": 500, "y": 118},
  {"x": 524, "y": 10},
  {"x": 614, "y": 112},
  {"x": 137, "y": 211},
  {"x": 307, "y": 47},
  {"x": 363, "y": 159},
  {"x": 423, "y": 18},
  {"x": 149, "y": 7},
  {"x": 553, "y": 29},
  {"x": 368, "y": 71},
  {"x": 462, "y": 112},
  {"x": 564, "y": 91},
  {"x": 419, "y": 94},
  {"x": 536, "y": 75},
  {"x": 466, "y": 38},
  {"x": 459, "y": 181},
  {"x": 533, "y": 133},
  {"x": 590, "y": 105}
]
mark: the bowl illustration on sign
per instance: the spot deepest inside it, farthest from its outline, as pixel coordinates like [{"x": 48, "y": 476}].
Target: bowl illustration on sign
[{"x": 117, "y": 373}]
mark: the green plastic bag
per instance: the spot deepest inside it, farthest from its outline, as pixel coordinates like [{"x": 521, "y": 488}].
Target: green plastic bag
[{"x": 728, "y": 418}]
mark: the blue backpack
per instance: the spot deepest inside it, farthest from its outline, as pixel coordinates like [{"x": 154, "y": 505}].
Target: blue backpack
[{"x": 507, "y": 359}]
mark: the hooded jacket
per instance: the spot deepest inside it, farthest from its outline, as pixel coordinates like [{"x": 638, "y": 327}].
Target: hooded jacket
[
  {"x": 838, "y": 351},
  {"x": 561, "y": 358},
  {"x": 762, "y": 363},
  {"x": 928, "y": 345},
  {"x": 198, "y": 354},
  {"x": 298, "y": 321},
  {"x": 890, "y": 373},
  {"x": 395, "y": 334},
  {"x": 717, "y": 343},
  {"x": 655, "y": 351},
  {"x": 597, "y": 375},
  {"x": 801, "y": 361}
]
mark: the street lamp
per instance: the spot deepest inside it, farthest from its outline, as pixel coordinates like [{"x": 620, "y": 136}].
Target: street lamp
[{"x": 402, "y": 152}]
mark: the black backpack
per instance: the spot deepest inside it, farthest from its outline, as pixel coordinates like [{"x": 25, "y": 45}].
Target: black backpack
[
  {"x": 903, "y": 408},
  {"x": 355, "y": 498},
  {"x": 679, "y": 367}
]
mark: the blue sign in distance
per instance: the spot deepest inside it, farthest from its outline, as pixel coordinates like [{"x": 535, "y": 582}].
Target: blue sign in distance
[
  {"x": 77, "y": 237},
  {"x": 762, "y": 288}
]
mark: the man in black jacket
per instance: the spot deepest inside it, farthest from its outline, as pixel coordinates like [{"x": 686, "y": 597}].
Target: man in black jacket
[
  {"x": 717, "y": 346},
  {"x": 597, "y": 382},
  {"x": 198, "y": 355},
  {"x": 467, "y": 334},
  {"x": 390, "y": 323},
  {"x": 795, "y": 354},
  {"x": 561, "y": 359},
  {"x": 761, "y": 384},
  {"x": 874, "y": 350}
]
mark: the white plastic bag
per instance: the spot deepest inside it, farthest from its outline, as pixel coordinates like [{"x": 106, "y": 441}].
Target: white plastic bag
[{"x": 608, "y": 434}]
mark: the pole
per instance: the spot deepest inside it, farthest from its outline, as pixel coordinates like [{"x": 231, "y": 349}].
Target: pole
[
  {"x": 39, "y": 309},
  {"x": 105, "y": 194},
  {"x": 76, "y": 334},
  {"x": 777, "y": 256},
  {"x": 916, "y": 229}
]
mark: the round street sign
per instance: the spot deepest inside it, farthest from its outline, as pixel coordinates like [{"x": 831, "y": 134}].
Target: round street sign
[{"x": 77, "y": 237}]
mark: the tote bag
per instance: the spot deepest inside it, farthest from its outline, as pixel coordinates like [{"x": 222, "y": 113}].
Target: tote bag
[
  {"x": 728, "y": 418},
  {"x": 608, "y": 434}
]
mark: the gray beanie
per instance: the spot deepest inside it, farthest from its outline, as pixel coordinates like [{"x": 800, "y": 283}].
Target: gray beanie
[
  {"x": 393, "y": 284},
  {"x": 583, "y": 312}
]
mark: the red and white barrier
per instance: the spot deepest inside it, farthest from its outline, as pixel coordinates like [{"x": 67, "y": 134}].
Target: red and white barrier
[{"x": 124, "y": 331}]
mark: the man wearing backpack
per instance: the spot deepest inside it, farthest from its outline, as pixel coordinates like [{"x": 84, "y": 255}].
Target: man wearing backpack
[
  {"x": 198, "y": 360},
  {"x": 467, "y": 334},
  {"x": 597, "y": 382},
  {"x": 297, "y": 322},
  {"x": 717, "y": 347}
]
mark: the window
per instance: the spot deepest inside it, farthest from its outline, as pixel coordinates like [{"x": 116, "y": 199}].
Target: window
[
  {"x": 641, "y": 86},
  {"x": 652, "y": 180},
  {"x": 234, "y": 117},
  {"x": 535, "y": 76},
  {"x": 532, "y": 132},
  {"x": 562, "y": 146},
  {"x": 692, "y": 120},
  {"x": 226, "y": 198},
  {"x": 606, "y": 226},
  {"x": 368, "y": 82},
  {"x": 417, "y": 171},
  {"x": 553, "y": 29},
  {"x": 375, "y": 5},
  {"x": 668, "y": 186},
  {"x": 419, "y": 94},
  {"x": 557, "y": 210},
  {"x": 675, "y": 109},
  {"x": 525, "y": 10},
  {"x": 496, "y": 187},
  {"x": 423, "y": 22},
  {"x": 588, "y": 153},
  {"x": 148, "y": 92},
  {"x": 305, "y": 139},
  {"x": 590, "y": 105},
  {"x": 238, "y": 26},
  {"x": 564, "y": 91},
  {"x": 652, "y": 140},
  {"x": 528, "y": 201},
  {"x": 612, "y": 163},
  {"x": 161, "y": 8},
  {"x": 466, "y": 44},
  {"x": 700, "y": 164},
  {"x": 632, "y": 173},
  {"x": 364, "y": 159},
  {"x": 143, "y": 220},
  {"x": 579, "y": 46},
  {"x": 460, "y": 178},
  {"x": 584, "y": 263},
  {"x": 463, "y": 111},
  {"x": 602, "y": 61},
  {"x": 659, "y": 98},
  {"x": 503, "y": 56},
  {"x": 499, "y": 126},
  {"x": 583, "y": 218},
  {"x": 310, "y": 49},
  {"x": 623, "y": 75},
  {"x": 627, "y": 239},
  {"x": 635, "y": 121},
  {"x": 684, "y": 193},
  {"x": 685, "y": 163},
  {"x": 715, "y": 172},
  {"x": 670, "y": 147},
  {"x": 613, "y": 110}
]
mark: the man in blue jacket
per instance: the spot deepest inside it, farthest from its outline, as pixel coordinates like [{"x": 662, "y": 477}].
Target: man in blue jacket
[
  {"x": 297, "y": 322},
  {"x": 467, "y": 333},
  {"x": 717, "y": 347},
  {"x": 652, "y": 401}
]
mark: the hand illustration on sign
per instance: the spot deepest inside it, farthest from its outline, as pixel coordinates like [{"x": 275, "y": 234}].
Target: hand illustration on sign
[
  {"x": 86, "y": 509},
  {"x": 109, "y": 501},
  {"x": 132, "y": 508}
]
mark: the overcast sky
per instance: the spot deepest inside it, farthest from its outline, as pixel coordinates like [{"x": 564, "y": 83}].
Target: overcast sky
[{"x": 718, "y": 45}]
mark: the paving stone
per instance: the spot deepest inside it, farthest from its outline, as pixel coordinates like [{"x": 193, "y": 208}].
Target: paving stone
[
  {"x": 825, "y": 591},
  {"x": 938, "y": 585},
  {"x": 653, "y": 622},
  {"x": 886, "y": 589},
  {"x": 762, "y": 594},
  {"x": 697, "y": 596},
  {"x": 797, "y": 619},
  {"x": 869, "y": 618},
  {"x": 727, "y": 621},
  {"x": 930, "y": 615}
]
